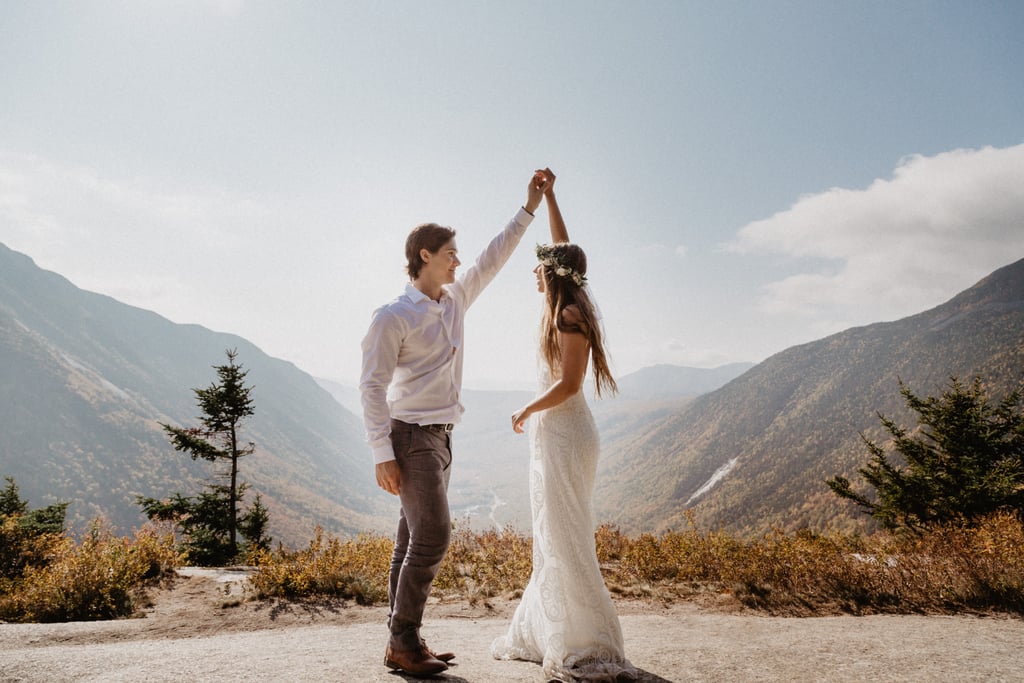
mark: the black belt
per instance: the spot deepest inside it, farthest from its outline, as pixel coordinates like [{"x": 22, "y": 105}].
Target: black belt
[{"x": 440, "y": 427}]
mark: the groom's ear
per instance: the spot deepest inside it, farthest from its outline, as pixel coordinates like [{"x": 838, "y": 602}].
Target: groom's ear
[{"x": 425, "y": 255}]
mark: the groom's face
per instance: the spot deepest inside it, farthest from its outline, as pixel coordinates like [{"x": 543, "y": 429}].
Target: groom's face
[{"x": 440, "y": 266}]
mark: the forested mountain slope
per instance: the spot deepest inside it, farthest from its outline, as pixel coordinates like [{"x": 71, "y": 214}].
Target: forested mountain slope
[
  {"x": 755, "y": 453},
  {"x": 85, "y": 380}
]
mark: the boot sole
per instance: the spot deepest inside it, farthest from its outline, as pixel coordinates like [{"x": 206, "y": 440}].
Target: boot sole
[{"x": 426, "y": 672}]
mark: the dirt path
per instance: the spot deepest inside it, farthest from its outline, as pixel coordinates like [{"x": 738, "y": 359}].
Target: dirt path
[{"x": 201, "y": 630}]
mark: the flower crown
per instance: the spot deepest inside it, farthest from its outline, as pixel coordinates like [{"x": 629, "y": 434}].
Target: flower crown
[{"x": 547, "y": 256}]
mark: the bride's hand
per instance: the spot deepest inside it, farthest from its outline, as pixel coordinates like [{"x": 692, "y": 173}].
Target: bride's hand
[
  {"x": 519, "y": 419},
  {"x": 543, "y": 179},
  {"x": 539, "y": 184},
  {"x": 549, "y": 176}
]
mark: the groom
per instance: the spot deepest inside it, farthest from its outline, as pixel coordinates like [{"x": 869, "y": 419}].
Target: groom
[{"x": 415, "y": 347}]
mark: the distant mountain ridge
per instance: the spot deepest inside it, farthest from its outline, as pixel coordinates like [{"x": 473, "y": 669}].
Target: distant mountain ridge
[
  {"x": 667, "y": 381},
  {"x": 754, "y": 454},
  {"x": 85, "y": 380}
]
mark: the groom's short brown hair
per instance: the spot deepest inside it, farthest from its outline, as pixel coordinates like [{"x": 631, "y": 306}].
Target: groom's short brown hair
[{"x": 429, "y": 236}]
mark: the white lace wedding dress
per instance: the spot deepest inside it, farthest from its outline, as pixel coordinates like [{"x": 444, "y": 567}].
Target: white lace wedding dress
[{"x": 566, "y": 619}]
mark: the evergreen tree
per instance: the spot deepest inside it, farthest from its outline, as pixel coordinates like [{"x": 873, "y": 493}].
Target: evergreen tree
[
  {"x": 253, "y": 525},
  {"x": 20, "y": 527},
  {"x": 211, "y": 521},
  {"x": 10, "y": 500},
  {"x": 965, "y": 461}
]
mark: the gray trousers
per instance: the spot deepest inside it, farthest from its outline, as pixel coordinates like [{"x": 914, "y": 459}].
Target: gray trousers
[{"x": 424, "y": 526}]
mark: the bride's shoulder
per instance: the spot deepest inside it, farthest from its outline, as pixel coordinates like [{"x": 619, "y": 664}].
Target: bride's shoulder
[{"x": 571, "y": 319}]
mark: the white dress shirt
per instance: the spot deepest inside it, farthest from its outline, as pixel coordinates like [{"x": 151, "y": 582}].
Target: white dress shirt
[{"x": 412, "y": 353}]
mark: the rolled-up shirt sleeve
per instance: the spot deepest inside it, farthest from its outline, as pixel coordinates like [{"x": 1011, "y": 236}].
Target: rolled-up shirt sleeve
[{"x": 381, "y": 347}]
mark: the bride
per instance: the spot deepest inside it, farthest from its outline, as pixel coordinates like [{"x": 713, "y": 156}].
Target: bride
[{"x": 566, "y": 619}]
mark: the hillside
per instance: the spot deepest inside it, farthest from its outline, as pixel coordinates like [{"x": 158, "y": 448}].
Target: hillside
[
  {"x": 673, "y": 381},
  {"x": 84, "y": 381},
  {"x": 754, "y": 454}
]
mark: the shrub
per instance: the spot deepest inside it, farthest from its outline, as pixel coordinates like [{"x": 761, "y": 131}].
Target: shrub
[
  {"x": 96, "y": 579},
  {"x": 355, "y": 569},
  {"x": 486, "y": 564},
  {"x": 26, "y": 536}
]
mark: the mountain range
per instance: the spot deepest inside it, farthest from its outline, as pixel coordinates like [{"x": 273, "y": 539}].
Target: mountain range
[
  {"x": 85, "y": 381},
  {"x": 753, "y": 455}
]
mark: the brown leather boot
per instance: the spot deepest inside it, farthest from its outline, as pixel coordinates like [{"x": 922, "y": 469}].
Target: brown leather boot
[
  {"x": 443, "y": 656},
  {"x": 416, "y": 662}
]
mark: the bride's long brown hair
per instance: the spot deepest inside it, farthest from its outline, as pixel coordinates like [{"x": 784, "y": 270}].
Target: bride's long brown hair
[{"x": 561, "y": 292}]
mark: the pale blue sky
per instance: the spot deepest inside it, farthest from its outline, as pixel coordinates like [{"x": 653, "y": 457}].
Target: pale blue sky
[{"x": 744, "y": 176}]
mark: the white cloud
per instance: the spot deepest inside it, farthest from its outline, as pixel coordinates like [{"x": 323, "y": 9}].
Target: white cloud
[
  {"x": 681, "y": 250},
  {"x": 900, "y": 245}
]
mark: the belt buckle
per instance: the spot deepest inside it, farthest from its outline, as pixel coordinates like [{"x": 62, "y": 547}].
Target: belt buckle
[{"x": 443, "y": 428}]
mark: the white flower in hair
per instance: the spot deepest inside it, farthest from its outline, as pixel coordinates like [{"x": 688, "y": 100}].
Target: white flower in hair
[{"x": 549, "y": 259}]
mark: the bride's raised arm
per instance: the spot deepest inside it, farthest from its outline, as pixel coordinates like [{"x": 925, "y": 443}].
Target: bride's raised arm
[{"x": 558, "y": 231}]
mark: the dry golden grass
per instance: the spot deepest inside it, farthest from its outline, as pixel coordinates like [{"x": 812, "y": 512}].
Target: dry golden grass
[
  {"x": 947, "y": 570},
  {"x": 355, "y": 569},
  {"x": 483, "y": 565}
]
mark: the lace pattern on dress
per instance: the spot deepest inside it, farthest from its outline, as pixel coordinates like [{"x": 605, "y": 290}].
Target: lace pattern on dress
[{"x": 566, "y": 620}]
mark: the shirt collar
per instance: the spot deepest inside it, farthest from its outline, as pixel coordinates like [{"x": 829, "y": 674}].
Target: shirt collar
[{"x": 416, "y": 296}]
